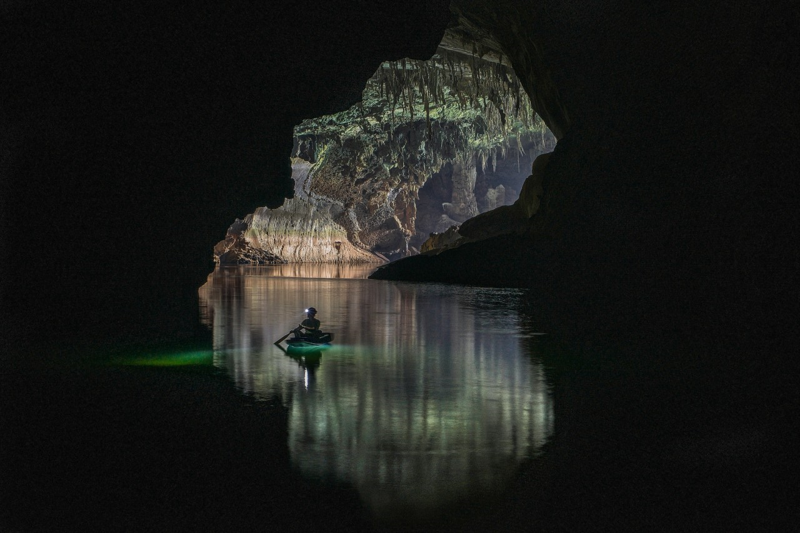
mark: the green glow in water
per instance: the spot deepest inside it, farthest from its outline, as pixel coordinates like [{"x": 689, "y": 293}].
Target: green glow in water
[{"x": 187, "y": 358}]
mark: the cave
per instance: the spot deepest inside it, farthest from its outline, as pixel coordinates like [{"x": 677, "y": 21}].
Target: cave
[
  {"x": 429, "y": 145},
  {"x": 654, "y": 245}
]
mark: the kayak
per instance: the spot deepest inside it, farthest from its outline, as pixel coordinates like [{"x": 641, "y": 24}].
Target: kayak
[{"x": 322, "y": 341}]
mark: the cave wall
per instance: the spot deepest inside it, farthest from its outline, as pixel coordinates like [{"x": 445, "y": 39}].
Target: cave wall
[
  {"x": 133, "y": 135},
  {"x": 430, "y": 145},
  {"x": 654, "y": 203}
]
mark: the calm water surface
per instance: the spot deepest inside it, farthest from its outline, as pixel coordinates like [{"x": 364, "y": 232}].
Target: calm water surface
[{"x": 426, "y": 397}]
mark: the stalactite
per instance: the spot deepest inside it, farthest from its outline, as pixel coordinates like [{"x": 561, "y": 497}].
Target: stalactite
[
  {"x": 411, "y": 98},
  {"x": 476, "y": 75},
  {"x": 364, "y": 122},
  {"x": 427, "y": 116}
]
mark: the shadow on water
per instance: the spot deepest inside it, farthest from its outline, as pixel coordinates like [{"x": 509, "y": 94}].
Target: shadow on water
[{"x": 653, "y": 435}]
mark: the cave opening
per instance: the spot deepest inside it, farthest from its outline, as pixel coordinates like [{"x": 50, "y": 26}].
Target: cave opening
[{"x": 431, "y": 144}]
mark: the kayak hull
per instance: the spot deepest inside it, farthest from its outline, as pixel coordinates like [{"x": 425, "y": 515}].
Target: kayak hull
[{"x": 322, "y": 341}]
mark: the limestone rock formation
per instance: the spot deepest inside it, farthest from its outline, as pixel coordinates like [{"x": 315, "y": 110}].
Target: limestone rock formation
[
  {"x": 438, "y": 242},
  {"x": 515, "y": 218},
  {"x": 297, "y": 232},
  {"x": 431, "y": 145},
  {"x": 236, "y": 250}
]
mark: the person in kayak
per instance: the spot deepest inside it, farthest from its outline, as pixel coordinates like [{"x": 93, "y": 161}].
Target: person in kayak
[{"x": 310, "y": 326}]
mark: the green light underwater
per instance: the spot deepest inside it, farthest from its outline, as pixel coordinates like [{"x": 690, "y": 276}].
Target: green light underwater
[{"x": 169, "y": 359}]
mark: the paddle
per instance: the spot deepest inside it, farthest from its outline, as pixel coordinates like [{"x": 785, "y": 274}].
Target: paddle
[
  {"x": 281, "y": 348},
  {"x": 284, "y": 337}
]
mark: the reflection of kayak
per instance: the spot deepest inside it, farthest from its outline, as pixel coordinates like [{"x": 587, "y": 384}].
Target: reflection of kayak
[{"x": 307, "y": 342}]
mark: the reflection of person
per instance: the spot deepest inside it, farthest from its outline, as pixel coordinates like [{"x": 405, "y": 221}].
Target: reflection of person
[{"x": 309, "y": 326}]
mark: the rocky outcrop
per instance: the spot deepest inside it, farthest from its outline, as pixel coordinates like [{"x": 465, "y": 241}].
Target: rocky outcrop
[
  {"x": 297, "y": 232},
  {"x": 235, "y": 250},
  {"x": 438, "y": 242}
]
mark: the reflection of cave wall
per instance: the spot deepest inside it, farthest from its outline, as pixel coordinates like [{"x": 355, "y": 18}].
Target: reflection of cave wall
[{"x": 424, "y": 400}]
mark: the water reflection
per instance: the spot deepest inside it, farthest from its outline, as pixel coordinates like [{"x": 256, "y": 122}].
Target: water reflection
[
  {"x": 303, "y": 270},
  {"x": 425, "y": 398}
]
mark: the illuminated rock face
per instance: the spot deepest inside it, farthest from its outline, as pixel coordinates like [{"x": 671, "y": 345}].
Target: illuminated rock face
[
  {"x": 516, "y": 218},
  {"x": 431, "y": 145},
  {"x": 297, "y": 232}
]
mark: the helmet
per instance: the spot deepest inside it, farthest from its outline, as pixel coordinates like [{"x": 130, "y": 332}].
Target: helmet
[{"x": 311, "y": 310}]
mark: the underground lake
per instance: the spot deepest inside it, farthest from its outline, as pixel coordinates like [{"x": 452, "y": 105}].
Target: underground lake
[
  {"x": 426, "y": 400},
  {"x": 435, "y": 408}
]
